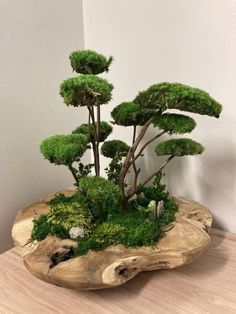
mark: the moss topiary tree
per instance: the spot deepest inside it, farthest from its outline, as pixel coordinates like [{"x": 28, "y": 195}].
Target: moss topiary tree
[
  {"x": 108, "y": 211},
  {"x": 150, "y": 107}
]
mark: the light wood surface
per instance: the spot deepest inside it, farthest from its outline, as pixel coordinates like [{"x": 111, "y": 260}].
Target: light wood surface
[
  {"x": 185, "y": 240},
  {"x": 206, "y": 286}
]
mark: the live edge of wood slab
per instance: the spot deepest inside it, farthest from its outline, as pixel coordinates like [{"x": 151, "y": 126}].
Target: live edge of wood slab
[{"x": 182, "y": 244}]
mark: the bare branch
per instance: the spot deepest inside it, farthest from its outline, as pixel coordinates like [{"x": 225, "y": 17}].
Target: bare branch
[
  {"x": 73, "y": 171},
  {"x": 126, "y": 164},
  {"x": 98, "y": 138},
  {"x": 149, "y": 178},
  {"x": 136, "y": 171},
  {"x": 145, "y": 145}
]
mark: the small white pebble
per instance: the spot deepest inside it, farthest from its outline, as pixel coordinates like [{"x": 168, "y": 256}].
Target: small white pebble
[{"x": 76, "y": 232}]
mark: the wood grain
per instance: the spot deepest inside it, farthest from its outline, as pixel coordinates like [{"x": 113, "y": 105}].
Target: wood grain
[
  {"x": 185, "y": 241},
  {"x": 205, "y": 286}
]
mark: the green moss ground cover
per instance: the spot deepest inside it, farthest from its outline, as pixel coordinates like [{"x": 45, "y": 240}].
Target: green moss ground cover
[{"x": 96, "y": 198}]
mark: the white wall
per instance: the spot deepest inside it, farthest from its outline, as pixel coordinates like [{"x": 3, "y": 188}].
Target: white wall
[
  {"x": 189, "y": 41},
  {"x": 36, "y": 38}
]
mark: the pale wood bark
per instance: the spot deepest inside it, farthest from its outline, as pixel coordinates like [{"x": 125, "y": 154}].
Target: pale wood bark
[{"x": 185, "y": 241}]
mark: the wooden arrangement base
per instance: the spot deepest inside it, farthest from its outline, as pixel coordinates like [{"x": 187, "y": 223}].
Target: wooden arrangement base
[{"x": 115, "y": 265}]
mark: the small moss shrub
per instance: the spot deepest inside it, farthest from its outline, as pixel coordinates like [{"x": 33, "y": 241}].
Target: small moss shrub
[
  {"x": 102, "y": 196},
  {"x": 85, "y": 90},
  {"x": 89, "y": 62}
]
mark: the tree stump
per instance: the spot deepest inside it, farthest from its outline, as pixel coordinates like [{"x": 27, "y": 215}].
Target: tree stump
[{"x": 184, "y": 241}]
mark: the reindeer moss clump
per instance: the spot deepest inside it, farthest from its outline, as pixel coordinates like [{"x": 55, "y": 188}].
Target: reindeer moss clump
[{"x": 130, "y": 206}]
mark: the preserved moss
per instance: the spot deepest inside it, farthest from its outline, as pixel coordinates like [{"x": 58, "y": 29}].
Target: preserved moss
[
  {"x": 179, "y": 147},
  {"x": 174, "y": 123},
  {"x": 178, "y": 96},
  {"x": 86, "y": 90},
  {"x": 89, "y": 62},
  {"x": 64, "y": 149},
  {"x": 105, "y": 131}
]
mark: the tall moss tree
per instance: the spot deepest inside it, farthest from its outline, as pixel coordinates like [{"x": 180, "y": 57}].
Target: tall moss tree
[
  {"x": 90, "y": 91},
  {"x": 151, "y": 107}
]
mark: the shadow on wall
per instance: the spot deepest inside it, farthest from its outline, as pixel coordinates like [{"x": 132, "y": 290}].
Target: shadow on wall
[{"x": 216, "y": 180}]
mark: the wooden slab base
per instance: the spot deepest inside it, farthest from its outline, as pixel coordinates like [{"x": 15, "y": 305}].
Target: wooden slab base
[{"x": 182, "y": 244}]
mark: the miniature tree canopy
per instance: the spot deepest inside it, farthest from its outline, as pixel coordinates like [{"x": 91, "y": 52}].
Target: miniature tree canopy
[
  {"x": 86, "y": 89},
  {"x": 64, "y": 149},
  {"x": 111, "y": 148},
  {"x": 179, "y": 147},
  {"x": 130, "y": 113},
  {"x": 178, "y": 96},
  {"x": 174, "y": 123},
  {"x": 105, "y": 131},
  {"x": 89, "y": 62}
]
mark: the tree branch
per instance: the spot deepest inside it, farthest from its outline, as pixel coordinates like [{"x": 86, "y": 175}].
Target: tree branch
[
  {"x": 150, "y": 177},
  {"x": 145, "y": 145},
  {"x": 126, "y": 164},
  {"x": 73, "y": 171},
  {"x": 136, "y": 171},
  {"x": 94, "y": 138},
  {"x": 98, "y": 138}
]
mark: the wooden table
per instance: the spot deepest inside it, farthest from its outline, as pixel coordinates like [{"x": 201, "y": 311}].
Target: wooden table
[{"x": 206, "y": 286}]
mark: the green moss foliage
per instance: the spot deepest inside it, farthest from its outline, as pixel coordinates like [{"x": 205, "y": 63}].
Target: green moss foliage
[
  {"x": 114, "y": 147},
  {"x": 89, "y": 62},
  {"x": 174, "y": 123},
  {"x": 105, "y": 131},
  {"x": 42, "y": 228},
  {"x": 132, "y": 228},
  {"x": 66, "y": 212},
  {"x": 179, "y": 147},
  {"x": 178, "y": 96},
  {"x": 130, "y": 113},
  {"x": 114, "y": 168},
  {"x": 86, "y": 90},
  {"x": 101, "y": 196},
  {"x": 64, "y": 149},
  {"x": 157, "y": 191}
]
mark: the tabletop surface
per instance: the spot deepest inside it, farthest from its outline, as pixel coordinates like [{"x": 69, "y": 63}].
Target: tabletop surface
[{"x": 206, "y": 286}]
